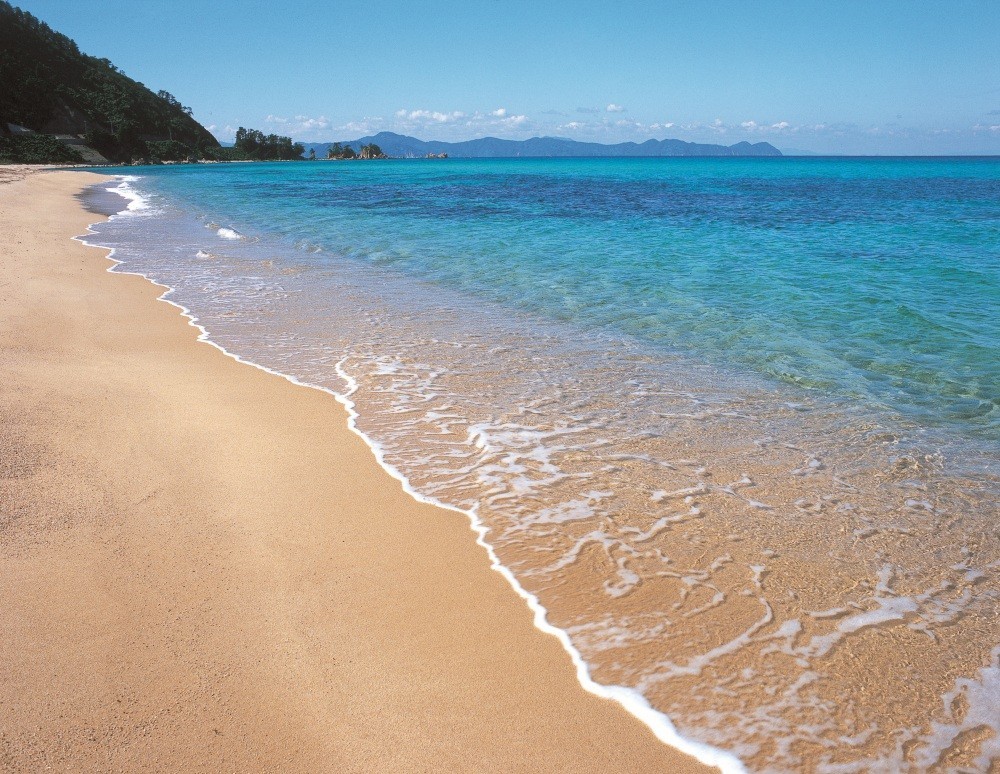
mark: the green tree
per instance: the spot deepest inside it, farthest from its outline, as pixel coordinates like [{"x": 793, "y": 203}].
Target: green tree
[
  {"x": 255, "y": 145},
  {"x": 45, "y": 80}
]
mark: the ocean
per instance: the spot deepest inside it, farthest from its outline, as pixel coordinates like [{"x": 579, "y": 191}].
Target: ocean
[{"x": 731, "y": 424}]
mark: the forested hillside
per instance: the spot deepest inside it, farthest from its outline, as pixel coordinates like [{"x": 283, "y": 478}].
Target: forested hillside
[{"x": 49, "y": 86}]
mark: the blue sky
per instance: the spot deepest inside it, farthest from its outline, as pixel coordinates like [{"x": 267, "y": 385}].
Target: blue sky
[{"x": 837, "y": 77}]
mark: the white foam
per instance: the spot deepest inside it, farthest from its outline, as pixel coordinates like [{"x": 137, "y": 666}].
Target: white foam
[
  {"x": 136, "y": 201},
  {"x": 630, "y": 699},
  {"x": 982, "y": 696},
  {"x": 229, "y": 233}
]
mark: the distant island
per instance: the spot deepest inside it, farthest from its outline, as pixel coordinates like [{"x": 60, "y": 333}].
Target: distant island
[
  {"x": 346, "y": 152},
  {"x": 401, "y": 146}
]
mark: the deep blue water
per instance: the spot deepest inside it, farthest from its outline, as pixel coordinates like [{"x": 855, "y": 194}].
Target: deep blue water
[{"x": 876, "y": 279}]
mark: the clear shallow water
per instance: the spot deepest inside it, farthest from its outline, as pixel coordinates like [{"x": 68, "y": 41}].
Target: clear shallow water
[
  {"x": 733, "y": 421},
  {"x": 870, "y": 278}
]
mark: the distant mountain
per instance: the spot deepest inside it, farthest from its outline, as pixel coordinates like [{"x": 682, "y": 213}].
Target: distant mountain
[
  {"x": 401, "y": 146},
  {"x": 57, "y": 101}
]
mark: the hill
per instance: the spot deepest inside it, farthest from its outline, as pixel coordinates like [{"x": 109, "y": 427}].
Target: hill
[
  {"x": 50, "y": 87},
  {"x": 492, "y": 147}
]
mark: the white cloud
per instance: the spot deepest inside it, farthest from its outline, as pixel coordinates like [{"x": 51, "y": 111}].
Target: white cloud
[
  {"x": 718, "y": 126},
  {"x": 613, "y": 108},
  {"x": 366, "y": 125},
  {"x": 429, "y": 116},
  {"x": 299, "y": 127},
  {"x": 305, "y": 123},
  {"x": 780, "y": 126},
  {"x": 443, "y": 125},
  {"x": 606, "y": 130}
]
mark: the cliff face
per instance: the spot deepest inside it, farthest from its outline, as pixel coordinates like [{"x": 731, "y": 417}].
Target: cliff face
[
  {"x": 50, "y": 86},
  {"x": 493, "y": 147}
]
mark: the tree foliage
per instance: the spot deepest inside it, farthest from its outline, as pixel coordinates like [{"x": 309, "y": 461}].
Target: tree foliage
[
  {"x": 47, "y": 84},
  {"x": 254, "y": 144},
  {"x": 338, "y": 151},
  {"x": 36, "y": 149}
]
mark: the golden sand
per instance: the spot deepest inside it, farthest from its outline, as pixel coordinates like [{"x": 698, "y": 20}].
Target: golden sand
[{"x": 203, "y": 569}]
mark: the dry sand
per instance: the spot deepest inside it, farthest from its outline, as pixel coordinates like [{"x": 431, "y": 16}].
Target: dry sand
[{"x": 203, "y": 569}]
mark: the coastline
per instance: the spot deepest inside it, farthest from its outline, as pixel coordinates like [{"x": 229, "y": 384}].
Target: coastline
[{"x": 205, "y": 567}]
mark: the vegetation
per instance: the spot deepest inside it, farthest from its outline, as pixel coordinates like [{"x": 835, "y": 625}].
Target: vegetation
[
  {"x": 36, "y": 149},
  {"x": 172, "y": 150},
  {"x": 255, "y": 145},
  {"x": 50, "y": 86},
  {"x": 338, "y": 151}
]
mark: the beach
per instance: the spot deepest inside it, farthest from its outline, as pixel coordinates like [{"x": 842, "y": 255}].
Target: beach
[
  {"x": 738, "y": 452},
  {"x": 204, "y": 569}
]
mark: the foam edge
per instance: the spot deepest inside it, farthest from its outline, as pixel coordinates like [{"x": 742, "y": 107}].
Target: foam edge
[{"x": 631, "y": 700}]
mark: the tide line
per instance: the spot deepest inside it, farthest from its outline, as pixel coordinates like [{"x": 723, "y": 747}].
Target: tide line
[{"x": 630, "y": 699}]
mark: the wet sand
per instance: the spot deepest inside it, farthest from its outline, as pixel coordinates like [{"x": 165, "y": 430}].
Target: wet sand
[{"x": 203, "y": 569}]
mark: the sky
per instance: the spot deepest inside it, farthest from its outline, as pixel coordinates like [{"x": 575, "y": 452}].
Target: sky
[{"x": 874, "y": 77}]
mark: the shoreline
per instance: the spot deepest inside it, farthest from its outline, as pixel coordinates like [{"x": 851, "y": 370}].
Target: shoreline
[
  {"x": 630, "y": 699},
  {"x": 491, "y": 641}
]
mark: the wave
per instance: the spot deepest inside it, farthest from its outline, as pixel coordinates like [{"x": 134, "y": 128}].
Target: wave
[
  {"x": 136, "y": 201},
  {"x": 600, "y": 472},
  {"x": 630, "y": 699}
]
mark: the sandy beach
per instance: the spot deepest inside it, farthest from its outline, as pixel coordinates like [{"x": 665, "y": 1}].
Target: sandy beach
[{"x": 204, "y": 569}]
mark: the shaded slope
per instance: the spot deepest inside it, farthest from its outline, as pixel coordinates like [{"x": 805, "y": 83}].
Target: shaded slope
[{"x": 51, "y": 87}]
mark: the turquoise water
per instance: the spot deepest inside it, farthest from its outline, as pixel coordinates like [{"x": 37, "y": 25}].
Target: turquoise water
[
  {"x": 732, "y": 423},
  {"x": 876, "y": 279}
]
